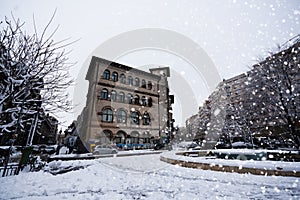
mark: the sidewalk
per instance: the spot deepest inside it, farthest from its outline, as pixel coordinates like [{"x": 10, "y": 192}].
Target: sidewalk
[{"x": 89, "y": 156}]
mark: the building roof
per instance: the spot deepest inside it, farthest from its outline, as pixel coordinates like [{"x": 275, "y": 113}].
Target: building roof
[{"x": 112, "y": 64}]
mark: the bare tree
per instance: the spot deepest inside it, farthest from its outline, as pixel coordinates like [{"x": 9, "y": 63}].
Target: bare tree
[
  {"x": 34, "y": 76},
  {"x": 275, "y": 93}
]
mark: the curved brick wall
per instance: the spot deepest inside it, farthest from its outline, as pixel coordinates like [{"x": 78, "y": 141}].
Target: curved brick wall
[{"x": 236, "y": 169}]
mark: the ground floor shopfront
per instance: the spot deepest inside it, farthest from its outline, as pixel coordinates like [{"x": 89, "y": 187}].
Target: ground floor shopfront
[{"x": 127, "y": 138}]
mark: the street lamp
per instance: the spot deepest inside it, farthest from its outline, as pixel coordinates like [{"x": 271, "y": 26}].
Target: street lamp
[{"x": 33, "y": 126}]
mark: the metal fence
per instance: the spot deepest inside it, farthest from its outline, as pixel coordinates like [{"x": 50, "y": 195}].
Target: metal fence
[{"x": 9, "y": 170}]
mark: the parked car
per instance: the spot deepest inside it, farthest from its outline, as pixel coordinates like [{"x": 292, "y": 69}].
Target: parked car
[
  {"x": 193, "y": 146},
  {"x": 158, "y": 146},
  {"x": 242, "y": 145},
  {"x": 35, "y": 149},
  {"x": 44, "y": 149},
  {"x": 222, "y": 145},
  {"x": 51, "y": 149},
  {"x": 104, "y": 149}
]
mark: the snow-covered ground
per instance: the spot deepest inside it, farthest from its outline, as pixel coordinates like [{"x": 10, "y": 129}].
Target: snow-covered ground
[{"x": 143, "y": 177}]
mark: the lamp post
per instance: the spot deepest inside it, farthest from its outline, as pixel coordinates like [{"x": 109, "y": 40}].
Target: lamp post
[{"x": 33, "y": 126}]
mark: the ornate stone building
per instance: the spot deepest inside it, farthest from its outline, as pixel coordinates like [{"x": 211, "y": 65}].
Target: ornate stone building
[{"x": 125, "y": 106}]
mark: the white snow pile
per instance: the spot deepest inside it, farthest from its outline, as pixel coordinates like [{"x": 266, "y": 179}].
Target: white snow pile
[{"x": 59, "y": 167}]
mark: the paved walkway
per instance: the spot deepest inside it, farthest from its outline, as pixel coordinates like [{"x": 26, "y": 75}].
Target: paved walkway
[{"x": 89, "y": 156}]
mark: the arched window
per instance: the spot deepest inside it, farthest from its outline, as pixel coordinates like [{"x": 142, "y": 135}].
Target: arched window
[
  {"x": 107, "y": 136},
  {"x": 129, "y": 98},
  {"x": 144, "y": 101},
  {"x": 134, "y": 137},
  {"x": 121, "y": 97},
  {"x": 136, "y": 99},
  {"x": 130, "y": 80},
  {"x": 113, "y": 95},
  {"x": 149, "y": 85},
  {"x": 143, "y": 83},
  {"x": 146, "y": 119},
  {"x": 150, "y": 102},
  {"x": 137, "y": 82},
  {"x": 123, "y": 78},
  {"x": 134, "y": 118},
  {"x": 106, "y": 74},
  {"x": 121, "y": 116},
  {"x": 120, "y": 137},
  {"x": 107, "y": 115},
  {"x": 114, "y": 76},
  {"x": 104, "y": 93}
]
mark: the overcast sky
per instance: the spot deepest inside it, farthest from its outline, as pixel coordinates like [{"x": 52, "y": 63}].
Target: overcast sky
[{"x": 232, "y": 33}]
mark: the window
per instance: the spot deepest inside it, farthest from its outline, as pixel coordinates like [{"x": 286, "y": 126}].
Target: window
[
  {"x": 106, "y": 74},
  {"x": 121, "y": 97},
  {"x": 143, "y": 83},
  {"x": 137, "y": 82},
  {"x": 113, "y": 95},
  {"x": 129, "y": 98},
  {"x": 146, "y": 119},
  {"x": 106, "y": 136},
  {"x": 136, "y": 99},
  {"x": 134, "y": 118},
  {"x": 104, "y": 94},
  {"x": 121, "y": 117},
  {"x": 150, "y": 102},
  {"x": 120, "y": 137},
  {"x": 114, "y": 76},
  {"x": 130, "y": 80},
  {"x": 144, "y": 101},
  {"x": 134, "y": 137},
  {"x": 149, "y": 85},
  {"x": 107, "y": 115},
  {"x": 123, "y": 78}
]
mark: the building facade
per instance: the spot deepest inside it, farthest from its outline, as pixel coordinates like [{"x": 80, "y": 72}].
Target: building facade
[
  {"x": 263, "y": 102},
  {"x": 192, "y": 127},
  {"x": 47, "y": 130},
  {"x": 125, "y": 106}
]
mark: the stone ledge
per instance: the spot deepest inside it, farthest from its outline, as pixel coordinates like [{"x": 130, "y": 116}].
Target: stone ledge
[{"x": 235, "y": 169}]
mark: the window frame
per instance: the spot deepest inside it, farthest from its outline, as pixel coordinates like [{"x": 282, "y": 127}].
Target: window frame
[
  {"x": 107, "y": 115},
  {"x": 146, "y": 119},
  {"x": 121, "y": 116},
  {"x": 114, "y": 76},
  {"x": 123, "y": 97},
  {"x": 130, "y": 80},
  {"x": 129, "y": 100},
  {"x": 137, "y": 82},
  {"x": 143, "y": 83},
  {"x": 113, "y": 97},
  {"x": 144, "y": 101},
  {"x": 150, "y": 102},
  {"x": 123, "y": 78},
  {"x": 134, "y": 118},
  {"x": 106, "y": 74},
  {"x": 136, "y": 99},
  {"x": 149, "y": 85},
  {"x": 104, "y": 94}
]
